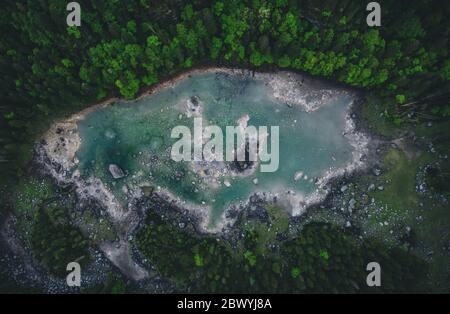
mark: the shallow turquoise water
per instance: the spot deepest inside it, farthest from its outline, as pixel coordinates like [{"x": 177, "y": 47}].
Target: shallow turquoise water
[{"x": 136, "y": 136}]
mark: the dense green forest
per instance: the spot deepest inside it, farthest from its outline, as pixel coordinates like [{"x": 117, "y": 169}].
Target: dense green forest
[
  {"x": 321, "y": 259},
  {"x": 49, "y": 71}
]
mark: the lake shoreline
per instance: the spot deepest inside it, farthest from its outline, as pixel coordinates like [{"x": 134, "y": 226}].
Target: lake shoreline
[
  {"x": 65, "y": 155},
  {"x": 59, "y": 159}
]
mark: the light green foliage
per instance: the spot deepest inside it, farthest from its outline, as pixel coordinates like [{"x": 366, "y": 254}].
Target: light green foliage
[
  {"x": 400, "y": 99},
  {"x": 295, "y": 272},
  {"x": 256, "y": 58},
  {"x": 74, "y": 31},
  {"x": 372, "y": 40},
  {"x": 250, "y": 257},
  {"x": 198, "y": 260},
  {"x": 324, "y": 255},
  {"x": 288, "y": 28}
]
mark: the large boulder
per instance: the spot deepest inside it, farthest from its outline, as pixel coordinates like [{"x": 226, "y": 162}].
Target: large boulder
[{"x": 116, "y": 171}]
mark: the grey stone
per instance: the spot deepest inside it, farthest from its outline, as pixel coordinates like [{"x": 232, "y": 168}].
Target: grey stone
[
  {"x": 351, "y": 204},
  {"x": 116, "y": 171}
]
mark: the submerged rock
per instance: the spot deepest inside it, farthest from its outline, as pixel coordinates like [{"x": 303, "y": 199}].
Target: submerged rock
[
  {"x": 147, "y": 190},
  {"x": 298, "y": 175},
  {"x": 116, "y": 171}
]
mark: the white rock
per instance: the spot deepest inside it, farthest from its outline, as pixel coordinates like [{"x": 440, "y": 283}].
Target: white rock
[{"x": 298, "y": 175}]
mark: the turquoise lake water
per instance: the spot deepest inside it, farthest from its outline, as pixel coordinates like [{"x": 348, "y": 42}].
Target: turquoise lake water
[{"x": 136, "y": 136}]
